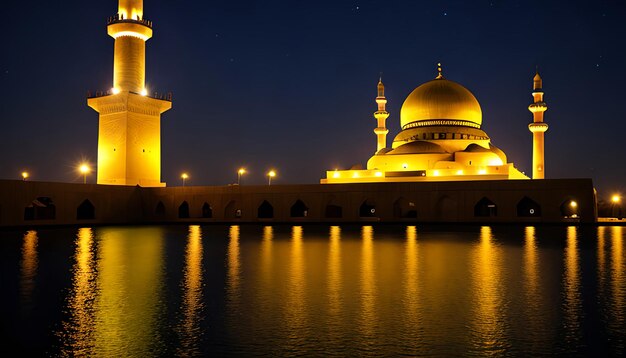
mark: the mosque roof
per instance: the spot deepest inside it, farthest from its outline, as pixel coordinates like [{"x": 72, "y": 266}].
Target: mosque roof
[{"x": 440, "y": 99}]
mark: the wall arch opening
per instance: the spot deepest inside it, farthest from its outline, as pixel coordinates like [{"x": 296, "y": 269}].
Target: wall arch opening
[
  {"x": 207, "y": 211},
  {"x": 403, "y": 208},
  {"x": 85, "y": 211},
  {"x": 299, "y": 209},
  {"x": 367, "y": 209},
  {"x": 42, "y": 208},
  {"x": 183, "y": 210},
  {"x": 485, "y": 208},
  {"x": 265, "y": 210},
  {"x": 527, "y": 207}
]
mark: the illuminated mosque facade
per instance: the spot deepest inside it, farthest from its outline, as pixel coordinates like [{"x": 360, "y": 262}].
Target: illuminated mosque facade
[{"x": 441, "y": 139}]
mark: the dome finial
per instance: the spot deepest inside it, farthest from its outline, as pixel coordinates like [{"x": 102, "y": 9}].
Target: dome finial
[{"x": 439, "y": 71}]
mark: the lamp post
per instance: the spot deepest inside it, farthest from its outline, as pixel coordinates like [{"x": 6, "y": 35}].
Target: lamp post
[
  {"x": 615, "y": 200},
  {"x": 84, "y": 169},
  {"x": 270, "y": 175},
  {"x": 24, "y": 176},
  {"x": 240, "y": 172},
  {"x": 184, "y": 177}
]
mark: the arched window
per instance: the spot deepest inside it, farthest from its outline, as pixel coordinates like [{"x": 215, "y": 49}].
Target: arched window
[
  {"x": 403, "y": 208},
  {"x": 160, "y": 209},
  {"x": 265, "y": 211},
  {"x": 183, "y": 210},
  {"x": 85, "y": 211},
  {"x": 528, "y": 208},
  {"x": 367, "y": 209},
  {"x": 207, "y": 211},
  {"x": 299, "y": 209},
  {"x": 485, "y": 208},
  {"x": 41, "y": 208},
  {"x": 232, "y": 211},
  {"x": 569, "y": 208}
]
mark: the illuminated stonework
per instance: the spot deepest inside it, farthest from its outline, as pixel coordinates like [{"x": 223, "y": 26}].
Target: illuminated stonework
[
  {"x": 129, "y": 130},
  {"x": 441, "y": 140}
]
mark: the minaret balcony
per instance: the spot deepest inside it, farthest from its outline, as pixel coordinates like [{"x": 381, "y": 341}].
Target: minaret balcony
[
  {"x": 538, "y": 107},
  {"x": 117, "y": 18},
  {"x": 538, "y": 127},
  {"x": 130, "y": 27}
]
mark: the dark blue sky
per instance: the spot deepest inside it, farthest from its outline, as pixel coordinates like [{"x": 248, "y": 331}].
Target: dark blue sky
[{"x": 291, "y": 84}]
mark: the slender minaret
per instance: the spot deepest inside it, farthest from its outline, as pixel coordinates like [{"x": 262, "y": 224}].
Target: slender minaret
[
  {"x": 129, "y": 130},
  {"x": 381, "y": 116},
  {"x": 538, "y": 127}
]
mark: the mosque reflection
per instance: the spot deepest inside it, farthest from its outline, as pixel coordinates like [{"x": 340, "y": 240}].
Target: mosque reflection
[
  {"x": 116, "y": 295},
  {"x": 298, "y": 287}
]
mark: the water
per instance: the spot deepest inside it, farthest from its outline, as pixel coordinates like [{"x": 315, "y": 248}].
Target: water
[{"x": 314, "y": 291}]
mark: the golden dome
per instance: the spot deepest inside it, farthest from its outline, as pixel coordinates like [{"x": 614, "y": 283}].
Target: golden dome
[{"x": 440, "y": 99}]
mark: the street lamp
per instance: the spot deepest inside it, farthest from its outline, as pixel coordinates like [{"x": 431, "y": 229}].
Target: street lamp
[
  {"x": 240, "y": 172},
  {"x": 184, "y": 176},
  {"x": 84, "y": 169},
  {"x": 270, "y": 175},
  {"x": 615, "y": 200},
  {"x": 24, "y": 175}
]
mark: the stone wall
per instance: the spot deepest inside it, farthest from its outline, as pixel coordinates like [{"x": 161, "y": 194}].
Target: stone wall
[{"x": 26, "y": 203}]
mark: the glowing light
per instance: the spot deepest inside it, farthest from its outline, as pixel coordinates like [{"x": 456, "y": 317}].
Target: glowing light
[
  {"x": 436, "y": 172},
  {"x": 573, "y": 204},
  {"x": 459, "y": 172},
  {"x": 482, "y": 171},
  {"x": 240, "y": 172},
  {"x": 336, "y": 174},
  {"x": 355, "y": 175},
  {"x": 378, "y": 174},
  {"x": 84, "y": 170},
  {"x": 115, "y": 90},
  {"x": 616, "y": 198},
  {"x": 495, "y": 162},
  {"x": 270, "y": 175},
  {"x": 144, "y": 92},
  {"x": 184, "y": 177},
  {"x": 405, "y": 165},
  {"x": 24, "y": 175}
]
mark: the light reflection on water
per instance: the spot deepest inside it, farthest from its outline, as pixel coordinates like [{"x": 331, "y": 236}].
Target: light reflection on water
[{"x": 373, "y": 290}]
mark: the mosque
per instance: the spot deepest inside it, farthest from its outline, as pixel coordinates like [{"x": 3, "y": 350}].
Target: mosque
[
  {"x": 441, "y": 167},
  {"x": 442, "y": 140}
]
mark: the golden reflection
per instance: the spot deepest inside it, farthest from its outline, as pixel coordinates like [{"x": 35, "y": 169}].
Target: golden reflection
[
  {"x": 234, "y": 265},
  {"x": 334, "y": 271},
  {"x": 130, "y": 305},
  {"x": 80, "y": 329},
  {"x": 532, "y": 285},
  {"x": 190, "y": 330},
  {"x": 601, "y": 259},
  {"x": 28, "y": 270},
  {"x": 411, "y": 285},
  {"x": 571, "y": 286},
  {"x": 618, "y": 280},
  {"x": 296, "y": 305},
  {"x": 368, "y": 284},
  {"x": 266, "y": 252},
  {"x": 489, "y": 299}
]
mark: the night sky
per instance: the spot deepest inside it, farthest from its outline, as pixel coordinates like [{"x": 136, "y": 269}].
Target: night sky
[{"x": 290, "y": 85}]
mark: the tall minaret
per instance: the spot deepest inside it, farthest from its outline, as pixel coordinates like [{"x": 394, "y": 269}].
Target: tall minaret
[
  {"x": 538, "y": 127},
  {"x": 381, "y": 116},
  {"x": 129, "y": 130}
]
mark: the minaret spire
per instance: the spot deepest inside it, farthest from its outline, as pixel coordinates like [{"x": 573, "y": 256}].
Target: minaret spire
[
  {"x": 538, "y": 127},
  {"x": 129, "y": 130},
  {"x": 381, "y": 116}
]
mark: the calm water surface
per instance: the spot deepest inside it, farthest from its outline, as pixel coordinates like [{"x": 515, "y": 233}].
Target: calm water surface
[{"x": 314, "y": 290}]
